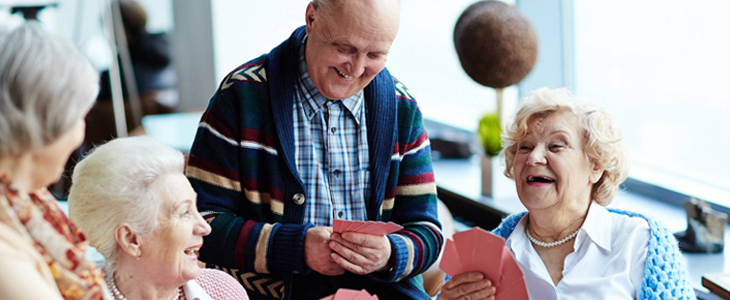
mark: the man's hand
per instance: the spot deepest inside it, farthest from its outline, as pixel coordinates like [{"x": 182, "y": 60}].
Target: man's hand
[
  {"x": 360, "y": 253},
  {"x": 468, "y": 286},
  {"x": 317, "y": 254}
]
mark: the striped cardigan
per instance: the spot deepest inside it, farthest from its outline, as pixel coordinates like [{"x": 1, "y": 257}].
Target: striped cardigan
[{"x": 242, "y": 167}]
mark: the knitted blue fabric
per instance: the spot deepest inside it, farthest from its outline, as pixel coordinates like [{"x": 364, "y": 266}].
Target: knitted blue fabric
[{"x": 664, "y": 275}]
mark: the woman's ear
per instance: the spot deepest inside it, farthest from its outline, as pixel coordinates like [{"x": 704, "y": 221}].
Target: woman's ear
[
  {"x": 596, "y": 172},
  {"x": 129, "y": 241}
]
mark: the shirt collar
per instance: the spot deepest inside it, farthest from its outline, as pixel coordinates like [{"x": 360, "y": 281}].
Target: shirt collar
[
  {"x": 313, "y": 101},
  {"x": 520, "y": 245},
  {"x": 598, "y": 225}
]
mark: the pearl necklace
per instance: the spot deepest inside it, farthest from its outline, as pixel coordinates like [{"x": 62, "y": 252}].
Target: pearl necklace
[
  {"x": 553, "y": 244},
  {"x": 118, "y": 295}
]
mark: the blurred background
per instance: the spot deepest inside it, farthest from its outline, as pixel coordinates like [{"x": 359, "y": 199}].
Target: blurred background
[{"x": 660, "y": 67}]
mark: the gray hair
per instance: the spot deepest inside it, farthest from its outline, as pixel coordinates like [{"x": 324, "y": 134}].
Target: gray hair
[
  {"x": 114, "y": 185},
  {"x": 46, "y": 86},
  {"x": 601, "y": 135}
]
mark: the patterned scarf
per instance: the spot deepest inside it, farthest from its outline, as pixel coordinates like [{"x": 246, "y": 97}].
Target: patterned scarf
[{"x": 38, "y": 219}]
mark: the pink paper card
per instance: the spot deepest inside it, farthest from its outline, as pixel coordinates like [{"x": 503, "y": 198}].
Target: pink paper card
[
  {"x": 346, "y": 294},
  {"x": 346, "y": 226},
  {"x": 328, "y": 298},
  {"x": 450, "y": 261},
  {"x": 390, "y": 227},
  {"x": 354, "y": 226},
  {"x": 364, "y": 295},
  {"x": 337, "y": 226},
  {"x": 480, "y": 251},
  {"x": 516, "y": 292},
  {"x": 365, "y": 227},
  {"x": 512, "y": 282}
]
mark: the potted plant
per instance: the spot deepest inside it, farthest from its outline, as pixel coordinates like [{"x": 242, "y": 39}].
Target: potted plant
[{"x": 489, "y": 136}]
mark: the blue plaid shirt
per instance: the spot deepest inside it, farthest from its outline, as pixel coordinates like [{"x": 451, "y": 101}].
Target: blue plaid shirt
[{"x": 331, "y": 150}]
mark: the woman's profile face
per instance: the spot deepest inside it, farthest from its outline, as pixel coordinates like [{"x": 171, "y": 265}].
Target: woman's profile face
[
  {"x": 171, "y": 249},
  {"x": 550, "y": 166},
  {"x": 50, "y": 160}
]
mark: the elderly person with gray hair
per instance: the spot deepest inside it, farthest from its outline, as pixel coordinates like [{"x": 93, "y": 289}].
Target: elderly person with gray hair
[
  {"x": 46, "y": 89},
  {"x": 137, "y": 208},
  {"x": 567, "y": 161}
]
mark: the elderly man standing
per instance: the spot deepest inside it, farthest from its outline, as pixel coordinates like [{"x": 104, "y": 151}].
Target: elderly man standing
[{"x": 318, "y": 130}]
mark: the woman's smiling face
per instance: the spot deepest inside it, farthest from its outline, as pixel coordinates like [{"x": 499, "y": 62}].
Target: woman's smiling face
[
  {"x": 174, "y": 245},
  {"x": 550, "y": 166}
]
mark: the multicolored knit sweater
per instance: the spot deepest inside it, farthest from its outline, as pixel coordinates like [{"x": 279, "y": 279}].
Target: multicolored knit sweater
[
  {"x": 242, "y": 167},
  {"x": 664, "y": 275}
]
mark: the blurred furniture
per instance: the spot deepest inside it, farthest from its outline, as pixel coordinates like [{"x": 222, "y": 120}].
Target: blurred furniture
[{"x": 176, "y": 130}]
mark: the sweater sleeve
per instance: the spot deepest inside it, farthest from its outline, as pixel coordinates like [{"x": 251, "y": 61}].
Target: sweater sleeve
[
  {"x": 226, "y": 194},
  {"x": 412, "y": 203}
]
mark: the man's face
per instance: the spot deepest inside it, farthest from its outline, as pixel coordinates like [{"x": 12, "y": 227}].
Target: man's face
[{"x": 348, "y": 44}]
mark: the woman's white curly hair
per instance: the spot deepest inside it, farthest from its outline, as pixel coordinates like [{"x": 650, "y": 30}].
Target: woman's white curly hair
[{"x": 601, "y": 136}]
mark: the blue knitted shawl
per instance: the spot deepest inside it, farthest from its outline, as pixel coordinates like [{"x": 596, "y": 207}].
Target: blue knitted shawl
[{"x": 664, "y": 275}]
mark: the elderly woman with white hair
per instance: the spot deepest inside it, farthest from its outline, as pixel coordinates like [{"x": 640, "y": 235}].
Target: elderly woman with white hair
[
  {"x": 567, "y": 161},
  {"x": 46, "y": 89},
  {"x": 137, "y": 208}
]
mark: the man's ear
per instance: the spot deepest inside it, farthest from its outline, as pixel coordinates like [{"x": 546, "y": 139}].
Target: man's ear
[
  {"x": 129, "y": 241},
  {"x": 310, "y": 16}
]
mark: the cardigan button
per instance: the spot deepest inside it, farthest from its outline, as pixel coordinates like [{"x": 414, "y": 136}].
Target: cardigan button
[{"x": 298, "y": 199}]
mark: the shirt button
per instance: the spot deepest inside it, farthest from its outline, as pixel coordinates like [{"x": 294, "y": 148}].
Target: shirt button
[
  {"x": 298, "y": 199},
  {"x": 340, "y": 214},
  {"x": 333, "y": 129},
  {"x": 337, "y": 173}
]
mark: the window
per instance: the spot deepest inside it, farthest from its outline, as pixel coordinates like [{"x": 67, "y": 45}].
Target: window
[{"x": 661, "y": 69}]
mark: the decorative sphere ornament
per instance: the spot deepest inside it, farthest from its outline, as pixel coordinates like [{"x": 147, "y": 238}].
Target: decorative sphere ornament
[{"x": 496, "y": 44}]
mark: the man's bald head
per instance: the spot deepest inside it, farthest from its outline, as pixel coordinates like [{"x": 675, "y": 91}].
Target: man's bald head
[
  {"x": 326, "y": 5},
  {"x": 348, "y": 43}
]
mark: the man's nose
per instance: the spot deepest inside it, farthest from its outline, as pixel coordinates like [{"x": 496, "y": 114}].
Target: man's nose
[{"x": 358, "y": 65}]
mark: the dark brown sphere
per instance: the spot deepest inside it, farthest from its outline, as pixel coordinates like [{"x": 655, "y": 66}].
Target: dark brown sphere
[{"x": 496, "y": 44}]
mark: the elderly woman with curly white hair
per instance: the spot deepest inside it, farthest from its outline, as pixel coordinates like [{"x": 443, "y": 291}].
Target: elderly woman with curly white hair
[
  {"x": 567, "y": 161},
  {"x": 137, "y": 208},
  {"x": 46, "y": 89}
]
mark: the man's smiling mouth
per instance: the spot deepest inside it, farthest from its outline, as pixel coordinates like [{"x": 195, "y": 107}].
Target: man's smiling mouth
[{"x": 343, "y": 75}]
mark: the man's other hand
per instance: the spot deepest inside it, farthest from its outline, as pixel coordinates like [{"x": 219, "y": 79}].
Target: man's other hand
[
  {"x": 317, "y": 254},
  {"x": 360, "y": 253}
]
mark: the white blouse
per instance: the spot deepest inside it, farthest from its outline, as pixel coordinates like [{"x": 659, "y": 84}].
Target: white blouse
[
  {"x": 607, "y": 261},
  {"x": 193, "y": 291}
]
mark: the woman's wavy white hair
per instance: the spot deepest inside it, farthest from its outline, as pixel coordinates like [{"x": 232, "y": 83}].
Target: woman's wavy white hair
[
  {"x": 601, "y": 137},
  {"x": 115, "y": 184},
  {"x": 46, "y": 86}
]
